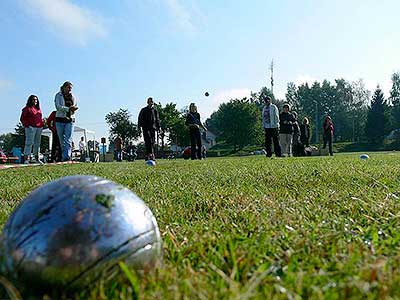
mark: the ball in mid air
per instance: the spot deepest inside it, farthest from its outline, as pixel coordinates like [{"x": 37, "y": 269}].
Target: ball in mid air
[
  {"x": 72, "y": 232},
  {"x": 206, "y": 94}
]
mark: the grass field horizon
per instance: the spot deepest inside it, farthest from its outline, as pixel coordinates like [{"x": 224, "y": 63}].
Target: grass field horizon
[{"x": 256, "y": 228}]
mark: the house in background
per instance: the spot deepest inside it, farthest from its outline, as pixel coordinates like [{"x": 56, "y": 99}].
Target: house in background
[{"x": 208, "y": 139}]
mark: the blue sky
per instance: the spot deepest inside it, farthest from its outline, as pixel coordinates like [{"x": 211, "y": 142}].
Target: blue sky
[{"x": 117, "y": 53}]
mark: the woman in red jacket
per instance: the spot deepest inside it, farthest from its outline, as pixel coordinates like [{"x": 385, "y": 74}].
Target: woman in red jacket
[{"x": 31, "y": 119}]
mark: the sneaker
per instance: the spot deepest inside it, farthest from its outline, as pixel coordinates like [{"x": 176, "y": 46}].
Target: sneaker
[
  {"x": 26, "y": 162},
  {"x": 40, "y": 162}
]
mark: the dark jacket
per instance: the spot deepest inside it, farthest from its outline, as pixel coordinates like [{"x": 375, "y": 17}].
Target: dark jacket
[
  {"x": 193, "y": 119},
  {"x": 296, "y": 128},
  {"x": 305, "y": 134},
  {"x": 149, "y": 118},
  {"x": 286, "y": 121}
]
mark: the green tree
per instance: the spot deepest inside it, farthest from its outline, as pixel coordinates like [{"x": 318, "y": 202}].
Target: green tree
[
  {"x": 7, "y": 141},
  {"x": 172, "y": 123},
  {"x": 339, "y": 100},
  {"x": 238, "y": 123},
  {"x": 394, "y": 99},
  {"x": 375, "y": 126},
  {"x": 120, "y": 124},
  {"x": 17, "y": 139},
  {"x": 359, "y": 109},
  {"x": 258, "y": 98},
  {"x": 291, "y": 96},
  {"x": 341, "y": 107},
  {"x": 179, "y": 133},
  {"x": 395, "y": 90}
]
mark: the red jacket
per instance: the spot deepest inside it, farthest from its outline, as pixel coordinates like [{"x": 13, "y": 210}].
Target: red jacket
[
  {"x": 31, "y": 116},
  {"x": 328, "y": 128},
  {"x": 51, "y": 122}
]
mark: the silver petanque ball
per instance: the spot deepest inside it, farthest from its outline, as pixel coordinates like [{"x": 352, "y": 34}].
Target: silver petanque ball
[{"x": 70, "y": 233}]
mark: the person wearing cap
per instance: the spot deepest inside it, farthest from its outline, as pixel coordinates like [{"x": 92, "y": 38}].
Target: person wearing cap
[
  {"x": 270, "y": 120},
  {"x": 286, "y": 130}
]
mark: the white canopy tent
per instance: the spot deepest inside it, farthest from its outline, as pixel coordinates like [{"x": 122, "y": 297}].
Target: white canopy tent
[{"x": 77, "y": 129}]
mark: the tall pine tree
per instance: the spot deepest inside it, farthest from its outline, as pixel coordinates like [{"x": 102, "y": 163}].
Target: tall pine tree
[{"x": 375, "y": 126}]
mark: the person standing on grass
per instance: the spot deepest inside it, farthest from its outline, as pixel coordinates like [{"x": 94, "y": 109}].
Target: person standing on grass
[
  {"x": 305, "y": 132},
  {"x": 270, "y": 120},
  {"x": 194, "y": 124},
  {"x": 56, "y": 153},
  {"x": 118, "y": 148},
  {"x": 328, "y": 134},
  {"x": 131, "y": 152},
  {"x": 304, "y": 135},
  {"x": 31, "y": 119},
  {"x": 286, "y": 130},
  {"x": 149, "y": 123},
  {"x": 66, "y": 105}
]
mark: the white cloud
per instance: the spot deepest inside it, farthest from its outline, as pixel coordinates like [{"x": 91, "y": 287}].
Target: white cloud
[
  {"x": 68, "y": 20},
  {"x": 181, "y": 15},
  {"x": 211, "y": 103}
]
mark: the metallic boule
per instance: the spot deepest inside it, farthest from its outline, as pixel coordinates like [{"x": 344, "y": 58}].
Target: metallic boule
[{"x": 69, "y": 233}]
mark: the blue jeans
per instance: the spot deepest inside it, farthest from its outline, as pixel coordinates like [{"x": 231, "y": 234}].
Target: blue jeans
[
  {"x": 64, "y": 131},
  {"x": 32, "y": 138}
]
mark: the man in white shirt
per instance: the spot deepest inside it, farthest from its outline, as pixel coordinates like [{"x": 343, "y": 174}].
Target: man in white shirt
[
  {"x": 270, "y": 117},
  {"x": 82, "y": 145}
]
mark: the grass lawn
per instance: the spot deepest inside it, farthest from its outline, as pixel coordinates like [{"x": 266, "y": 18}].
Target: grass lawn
[{"x": 256, "y": 228}]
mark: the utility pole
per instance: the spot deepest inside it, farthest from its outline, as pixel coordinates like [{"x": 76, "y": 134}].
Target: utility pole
[{"x": 271, "y": 68}]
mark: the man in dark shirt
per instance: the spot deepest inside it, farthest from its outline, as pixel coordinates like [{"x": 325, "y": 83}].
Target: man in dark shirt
[{"x": 149, "y": 123}]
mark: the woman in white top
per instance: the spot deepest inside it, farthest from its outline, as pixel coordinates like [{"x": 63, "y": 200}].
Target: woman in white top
[{"x": 66, "y": 105}]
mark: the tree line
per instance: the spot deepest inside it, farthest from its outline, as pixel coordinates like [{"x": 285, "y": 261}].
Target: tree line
[{"x": 358, "y": 115}]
